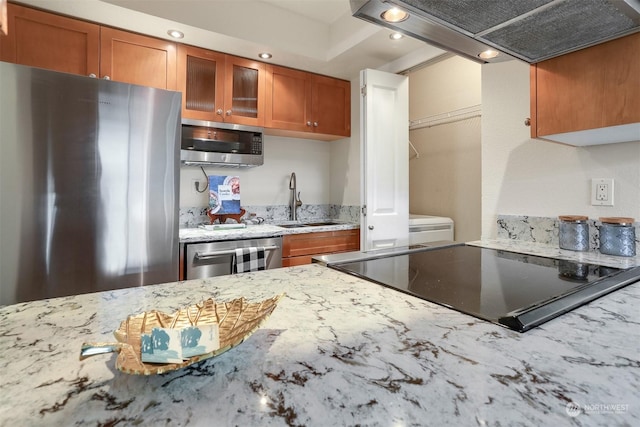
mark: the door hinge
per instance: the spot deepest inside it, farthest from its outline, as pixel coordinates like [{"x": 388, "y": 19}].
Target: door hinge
[
  {"x": 363, "y": 90},
  {"x": 364, "y": 210}
]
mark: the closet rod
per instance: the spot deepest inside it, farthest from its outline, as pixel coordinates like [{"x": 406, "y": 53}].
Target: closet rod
[{"x": 448, "y": 117}]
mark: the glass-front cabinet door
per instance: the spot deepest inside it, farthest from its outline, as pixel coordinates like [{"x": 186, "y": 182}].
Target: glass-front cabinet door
[
  {"x": 201, "y": 80},
  {"x": 220, "y": 88},
  {"x": 244, "y": 91}
]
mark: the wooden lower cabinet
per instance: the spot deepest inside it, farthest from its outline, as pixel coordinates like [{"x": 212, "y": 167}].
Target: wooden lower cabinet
[{"x": 298, "y": 249}]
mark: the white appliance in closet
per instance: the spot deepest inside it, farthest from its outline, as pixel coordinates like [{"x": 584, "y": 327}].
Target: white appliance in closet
[{"x": 427, "y": 228}]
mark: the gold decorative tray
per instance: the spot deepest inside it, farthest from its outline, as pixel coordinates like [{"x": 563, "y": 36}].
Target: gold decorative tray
[{"x": 236, "y": 319}]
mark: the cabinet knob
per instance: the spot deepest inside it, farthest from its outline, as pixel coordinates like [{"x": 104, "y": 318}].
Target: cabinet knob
[
  {"x": 315, "y": 124},
  {"x": 308, "y": 123},
  {"x": 228, "y": 112},
  {"x": 527, "y": 121},
  {"x": 219, "y": 111},
  {"x": 370, "y": 227},
  {"x": 106, "y": 78},
  {"x": 93, "y": 76}
]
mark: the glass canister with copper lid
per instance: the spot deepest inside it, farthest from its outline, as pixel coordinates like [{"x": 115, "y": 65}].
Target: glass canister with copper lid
[
  {"x": 617, "y": 236},
  {"x": 574, "y": 232}
]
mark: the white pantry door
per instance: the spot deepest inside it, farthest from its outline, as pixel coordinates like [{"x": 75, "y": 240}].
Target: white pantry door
[{"x": 384, "y": 148}]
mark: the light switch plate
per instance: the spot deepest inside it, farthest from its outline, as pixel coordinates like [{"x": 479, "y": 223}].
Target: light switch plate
[{"x": 602, "y": 191}]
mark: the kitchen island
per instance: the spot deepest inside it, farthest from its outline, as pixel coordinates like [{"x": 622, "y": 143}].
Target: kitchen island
[{"x": 337, "y": 351}]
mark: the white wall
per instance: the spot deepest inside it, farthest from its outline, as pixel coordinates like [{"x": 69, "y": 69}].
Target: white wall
[
  {"x": 269, "y": 184},
  {"x": 521, "y": 176},
  {"x": 345, "y": 158}
]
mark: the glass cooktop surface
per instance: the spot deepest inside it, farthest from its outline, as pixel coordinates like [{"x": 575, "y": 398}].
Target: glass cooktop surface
[{"x": 515, "y": 290}]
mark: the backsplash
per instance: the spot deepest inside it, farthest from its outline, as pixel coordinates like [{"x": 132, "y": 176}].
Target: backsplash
[
  {"x": 191, "y": 217},
  {"x": 545, "y": 230}
]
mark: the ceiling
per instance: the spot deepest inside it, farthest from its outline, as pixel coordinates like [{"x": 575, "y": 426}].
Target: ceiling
[{"x": 314, "y": 35}]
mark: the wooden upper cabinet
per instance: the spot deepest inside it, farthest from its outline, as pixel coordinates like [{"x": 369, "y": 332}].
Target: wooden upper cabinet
[
  {"x": 45, "y": 40},
  {"x": 306, "y": 102},
  {"x": 137, "y": 59},
  {"x": 288, "y": 100},
  {"x": 244, "y": 91},
  {"x": 331, "y": 110},
  {"x": 220, "y": 88},
  {"x": 592, "y": 88},
  {"x": 201, "y": 80}
]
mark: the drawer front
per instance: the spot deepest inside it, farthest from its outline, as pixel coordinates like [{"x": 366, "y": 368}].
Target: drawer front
[{"x": 295, "y": 245}]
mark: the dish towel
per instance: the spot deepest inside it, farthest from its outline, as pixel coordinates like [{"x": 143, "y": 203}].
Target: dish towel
[{"x": 250, "y": 259}]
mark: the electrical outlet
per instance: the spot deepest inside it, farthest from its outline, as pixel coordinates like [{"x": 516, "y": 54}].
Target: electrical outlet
[{"x": 602, "y": 191}]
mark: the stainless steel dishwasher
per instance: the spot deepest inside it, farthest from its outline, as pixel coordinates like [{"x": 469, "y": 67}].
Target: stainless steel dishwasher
[{"x": 212, "y": 259}]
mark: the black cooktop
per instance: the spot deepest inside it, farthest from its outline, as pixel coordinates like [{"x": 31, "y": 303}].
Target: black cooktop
[{"x": 515, "y": 290}]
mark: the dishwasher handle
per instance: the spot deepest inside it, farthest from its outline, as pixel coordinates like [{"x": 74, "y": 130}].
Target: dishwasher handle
[{"x": 215, "y": 254}]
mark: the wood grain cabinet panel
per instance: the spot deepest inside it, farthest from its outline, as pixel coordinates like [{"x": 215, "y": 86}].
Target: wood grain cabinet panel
[
  {"x": 136, "y": 59},
  {"x": 298, "y": 249},
  {"x": 302, "y": 102},
  {"x": 221, "y": 88},
  {"x": 331, "y": 105},
  {"x": 288, "y": 101},
  {"x": 201, "y": 80},
  {"x": 244, "y": 91},
  {"x": 45, "y": 40},
  {"x": 591, "y": 88}
]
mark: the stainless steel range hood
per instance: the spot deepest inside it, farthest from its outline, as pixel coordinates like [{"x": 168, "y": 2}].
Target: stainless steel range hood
[{"x": 530, "y": 30}]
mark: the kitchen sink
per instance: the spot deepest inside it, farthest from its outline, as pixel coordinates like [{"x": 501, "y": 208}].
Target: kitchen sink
[{"x": 291, "y": 225}]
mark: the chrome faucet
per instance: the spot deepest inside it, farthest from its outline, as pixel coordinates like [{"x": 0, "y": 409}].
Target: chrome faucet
[{"x": 294, "y": 201}]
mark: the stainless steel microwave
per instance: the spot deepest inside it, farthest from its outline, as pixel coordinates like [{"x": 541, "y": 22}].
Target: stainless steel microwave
[{"x": 221, "y": 144}]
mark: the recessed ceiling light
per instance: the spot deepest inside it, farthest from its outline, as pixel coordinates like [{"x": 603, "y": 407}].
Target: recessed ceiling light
[
  {"x": 395, "y": 36},
  {"x": 265, "y": 55},
  {"x": 394, "y": 15},
  {"x": 176, "y": 34},
  {"x": 488, "y": 54}
]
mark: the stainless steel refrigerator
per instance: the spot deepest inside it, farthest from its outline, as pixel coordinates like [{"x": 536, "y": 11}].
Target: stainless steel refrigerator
[{"x": 89, "y": 174}]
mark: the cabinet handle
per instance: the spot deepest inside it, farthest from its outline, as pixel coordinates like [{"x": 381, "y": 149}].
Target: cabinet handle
[
  {"x": 93, "y": 76},
  {"x": 219, "y": 111},
  {"x": 228, "y": 112},
  {"x": 106, "y": 78},
  {"x": 308, "y": 123},
  {"x": 315, "y": 124},
  {"x": 527, "y": 121},
  {"x": 370, "y": 227}
]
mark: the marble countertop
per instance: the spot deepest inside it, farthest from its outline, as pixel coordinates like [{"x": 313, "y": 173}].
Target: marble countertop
[
  {"x": 545, "y": 250},
  {"x": 196, "y": 235},
  {"x": 337, "y": 351}
]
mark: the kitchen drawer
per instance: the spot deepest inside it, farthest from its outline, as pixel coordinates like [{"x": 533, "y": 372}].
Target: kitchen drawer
[{"x": 298, "y": 249}]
